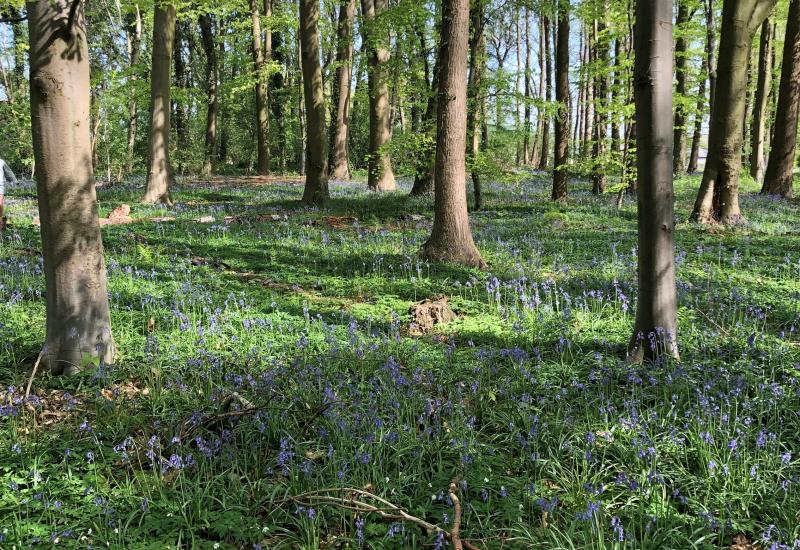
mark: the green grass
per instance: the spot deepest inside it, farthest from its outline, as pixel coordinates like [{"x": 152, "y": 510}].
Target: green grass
[{"x": 525, "y": 398}]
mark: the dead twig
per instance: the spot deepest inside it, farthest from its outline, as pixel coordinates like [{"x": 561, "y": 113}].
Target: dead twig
[
  {"x": 710, "y": 320},
  {"x": 350, "y": 498},
  {"x": 454, "y": 532},
  {"x": 33, "y": 374}
]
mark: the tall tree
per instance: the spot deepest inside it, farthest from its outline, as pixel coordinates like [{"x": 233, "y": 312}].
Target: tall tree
[
  {"x": 380, "y": 176},
  {"x": 133, "y": 37},
  {"x": 527, "y": 87},
  {"x": 694, "y": 154},
  {"x": 426, "y": 159},
  {"x": 563, "y": 117},
  {"x": 778, "y": 177},
  {"x": 544, "y": 114},
  {"x": 681, "y": 44},
  {"x": 262, "y": 116},
  {"x": 718, "y": 197},
  {"x": 212, "y": 98},
  {"x": 655, "y": 329},
  {"x": 78, "y": 320},
  {"x": 340, "y": 101},
  {"x": 477, "y": 66},
  {"x": 180, "y": 83},
  {"x": 451, "y": 237},
  {"x": 601, "y": 104},
  {"x": 159, "y": 170},
  {"x": 316, "y": 188},
  {"x": 760, "y": 113}
]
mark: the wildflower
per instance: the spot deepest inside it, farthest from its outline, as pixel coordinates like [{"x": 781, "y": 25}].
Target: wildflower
[
  {"x": 360, "y": 522},
  {"x": 616, "y": 526}
]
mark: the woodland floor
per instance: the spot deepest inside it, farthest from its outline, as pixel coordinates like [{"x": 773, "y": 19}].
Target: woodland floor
[{"x": 267, "y": 353}]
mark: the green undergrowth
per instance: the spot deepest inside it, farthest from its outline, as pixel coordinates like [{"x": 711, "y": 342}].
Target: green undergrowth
[{"x": 267, "y": 353}]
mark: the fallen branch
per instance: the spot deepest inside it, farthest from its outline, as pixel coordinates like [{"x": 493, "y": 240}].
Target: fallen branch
[
  {"x": 353, "y": 499},
  {"x": 454, "y": 532},
  {"x": 33, "y": 374}
]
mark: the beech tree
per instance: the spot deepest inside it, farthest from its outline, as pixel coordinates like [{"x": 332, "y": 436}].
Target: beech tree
[
  {"x": 778, "y": 177},
  {"x": 316, "y": 188},
  {"x": 718, "y": 197},
  {"x": 760, "y": 108},
  {"x": 262, "y": 118},
  {"x": 451, "y": 238},
  {"x": 477, "y": 64},
  {"x": 562, "y": 120},
  {"x": 380, "y": 176},
  {"x": 159, "y": 168},
  {"x": 212, "y": 102},
  {"x": 340, "y": 102},
  {"x": 133, "y": 37},
  {"x": 78, "y": 321},
  {"x": 655, "y": 329}
]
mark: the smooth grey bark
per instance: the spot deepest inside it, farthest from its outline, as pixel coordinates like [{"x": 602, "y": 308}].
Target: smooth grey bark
[
  {"x": 380, "y": 176},
  {"x": 778, "y": 177},
  {"x": 655, "y": 329},
  {"x": 262, "y": 106},
  {"x": 760, "y": 113},
  {"x": 718, "y": 198},
  {"x": 159, "y": 170},
  {"x": 451, "y": 238},
  {"x": 316, "y": 188},
  {"x": 340, "y": 101},
  {"x": 562, "y": 119},
  {"x": 78, "y": 322}
]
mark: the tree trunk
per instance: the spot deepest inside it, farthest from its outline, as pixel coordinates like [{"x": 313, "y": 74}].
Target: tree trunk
[
  {"x": 589, "y": 99},
  {"x": 159, "y": 170},
  {"x": 544, "y": 161},
  {"x": 133, "y": 32},
  {"x": 760, "y": 114},
  {"x": 278, "y": 97},
  {"x": 78, "y": 322},
  {"x": 526, "y": 138},
  {"x": 451, "y": 237},
  {"x": 180, "y": 112},
  {"x": 679, "y": 157},
  {"x": 340, "y": 115},
  {"x": 426, "y": 162},
  {"x": 212, "y": 101},
  {"x": 561, "y": 156},
  {"x": 600, "y": 118},
  {"x": 262, "y": 116},
  {"x": 778, "y": 178},
  {"x": 655, "y": 329},
  {"x": 718, "y": 198},
  {"x": 694, "y": 155},
  {"x": 477, "y": 64},
  {"x": 316, "y": 188},
  {"x": 380, "y": 176},
  {"x": 615, "y": 93},
  {"x": 710, "y": 49}
]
